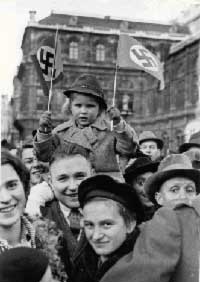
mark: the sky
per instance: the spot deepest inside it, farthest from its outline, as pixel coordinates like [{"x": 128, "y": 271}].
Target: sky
[{"x": 14, "y": 16}]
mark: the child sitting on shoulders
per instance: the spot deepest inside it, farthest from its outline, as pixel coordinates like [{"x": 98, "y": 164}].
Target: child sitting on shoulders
[{"x": 89, "y": 128}]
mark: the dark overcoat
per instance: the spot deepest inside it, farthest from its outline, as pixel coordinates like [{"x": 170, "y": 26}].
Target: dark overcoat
[
  {"x": 87, "y": 266},
  {"x": 167, "y": 249},
  {"x": 69, "y": 244}
]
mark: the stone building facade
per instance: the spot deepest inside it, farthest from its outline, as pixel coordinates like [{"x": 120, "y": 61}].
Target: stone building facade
[
  {"x": 6, "y": 118},
  {"x": 89, "y": 45}
]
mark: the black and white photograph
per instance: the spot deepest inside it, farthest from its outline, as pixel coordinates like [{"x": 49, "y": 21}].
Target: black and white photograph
[{"x": 100, "y": 141}]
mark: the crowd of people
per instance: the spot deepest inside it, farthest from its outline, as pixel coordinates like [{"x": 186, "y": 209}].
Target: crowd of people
[{"x": 89, "y": 202}]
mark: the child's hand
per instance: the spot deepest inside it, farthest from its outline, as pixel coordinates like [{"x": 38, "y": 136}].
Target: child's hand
[
  {"x": 114, "y": 114},
  {"x": 45, "y": 123}
]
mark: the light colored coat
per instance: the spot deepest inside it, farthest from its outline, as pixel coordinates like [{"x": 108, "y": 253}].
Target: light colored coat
[{"x": 102, "y": 143}]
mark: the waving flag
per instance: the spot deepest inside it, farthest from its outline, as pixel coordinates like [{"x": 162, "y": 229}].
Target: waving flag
[
  {"x": 132, "y": 54},
  {"x": 48, "y": 62}
]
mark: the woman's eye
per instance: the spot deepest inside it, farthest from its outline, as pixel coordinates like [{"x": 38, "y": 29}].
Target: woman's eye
[
  {"x": 28, "y": 161},
  {"x": 190, "y": 189},
  {"x": 12, "y": 185},
  {"x": 107, "y": 225},
  {"x": 174, "y": 189}
]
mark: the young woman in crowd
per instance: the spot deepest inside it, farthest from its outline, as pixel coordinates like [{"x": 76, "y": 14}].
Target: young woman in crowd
[
  {"x": 15, "y": 227},
  {"x": 16, "y": 230},
  {"x": 110, "y": 213}
]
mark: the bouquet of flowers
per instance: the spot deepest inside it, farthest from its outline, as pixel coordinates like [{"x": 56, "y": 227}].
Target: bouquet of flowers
[{"x": 49, "y": 238}]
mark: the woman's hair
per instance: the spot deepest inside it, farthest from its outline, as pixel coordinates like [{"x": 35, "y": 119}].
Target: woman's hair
[
  {"x": 19, "y": 167},
  {"x": 125, "y": 213}
]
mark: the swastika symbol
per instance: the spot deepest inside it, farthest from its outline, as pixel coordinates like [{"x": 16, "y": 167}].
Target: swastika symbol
[
  {"x": 143, "y": 57},
  {"x": 46, "y": 60},
  {"x": 45, "y": 57}
]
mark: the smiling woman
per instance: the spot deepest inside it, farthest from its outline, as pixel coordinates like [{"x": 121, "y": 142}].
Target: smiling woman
[
  {"x": 16, "y": 229},
  {"x": 14, "y": 188}
]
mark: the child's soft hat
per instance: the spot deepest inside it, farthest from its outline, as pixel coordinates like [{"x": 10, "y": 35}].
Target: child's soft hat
[{"x": 87, "y": 84}]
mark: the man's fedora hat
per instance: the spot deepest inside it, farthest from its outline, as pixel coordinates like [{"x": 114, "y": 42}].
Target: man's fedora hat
[
  {"x": 150, "y": 136},
  {"x": 193, "y": 142},
  {"x": 87, "y": 84},
  {"x": 140, "y": 166},
  {"x": 174, "y": 165},
  {"x": 106, "y": 187}
]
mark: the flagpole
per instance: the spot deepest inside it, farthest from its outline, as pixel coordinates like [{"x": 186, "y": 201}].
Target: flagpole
[
  {"x": 115, "y": 85},
  {"x": 52, "y": 72},
  {"x": 114, "y": 94}
]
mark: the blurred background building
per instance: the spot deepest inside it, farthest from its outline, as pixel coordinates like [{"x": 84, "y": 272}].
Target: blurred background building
[
  {"x": 6, "y": 118},
  {"x": 89, "y": 45}
]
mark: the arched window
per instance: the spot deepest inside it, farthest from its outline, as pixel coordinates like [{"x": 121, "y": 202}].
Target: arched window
[
  {"x": 179, "y": 138},
  {"x": 73, "y": 50},
  {"x": 100, "y": 53},
  {"x": 165, "y": 138}
]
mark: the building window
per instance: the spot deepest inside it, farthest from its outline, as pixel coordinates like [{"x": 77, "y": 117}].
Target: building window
[
  {"x": 125, "y": 103},
  {"x": 165, "y": 138},
  {"x": 73, "y": 50},
  {"x": 100, "y": 53},
  {"x": 179, "y": 138},
  {"x": 41, "y": 101}
]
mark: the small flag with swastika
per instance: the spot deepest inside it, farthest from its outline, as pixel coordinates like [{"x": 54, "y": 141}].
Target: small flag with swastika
[
  {"x": 132, "y": 54},
  {"x": 48, "y": 62}
]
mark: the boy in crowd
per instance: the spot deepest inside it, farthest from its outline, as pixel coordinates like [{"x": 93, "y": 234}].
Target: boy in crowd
[
  {"x": 150, "y": 145},
  {"x": 68, "y": 166},
  {"x": 136, "y": 175}
]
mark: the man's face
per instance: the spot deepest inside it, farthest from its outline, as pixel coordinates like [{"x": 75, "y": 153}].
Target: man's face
[
  {"x": 176, "y": 190},
  {"x": 104, "y": 227},
  {"x": 138, "y": 184},
  {"x": 66, "y": 175},
  {"x": 28, "y": 157},
  {"x": 150, "y": 148},
  {"x": 12, "y": 196}
]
